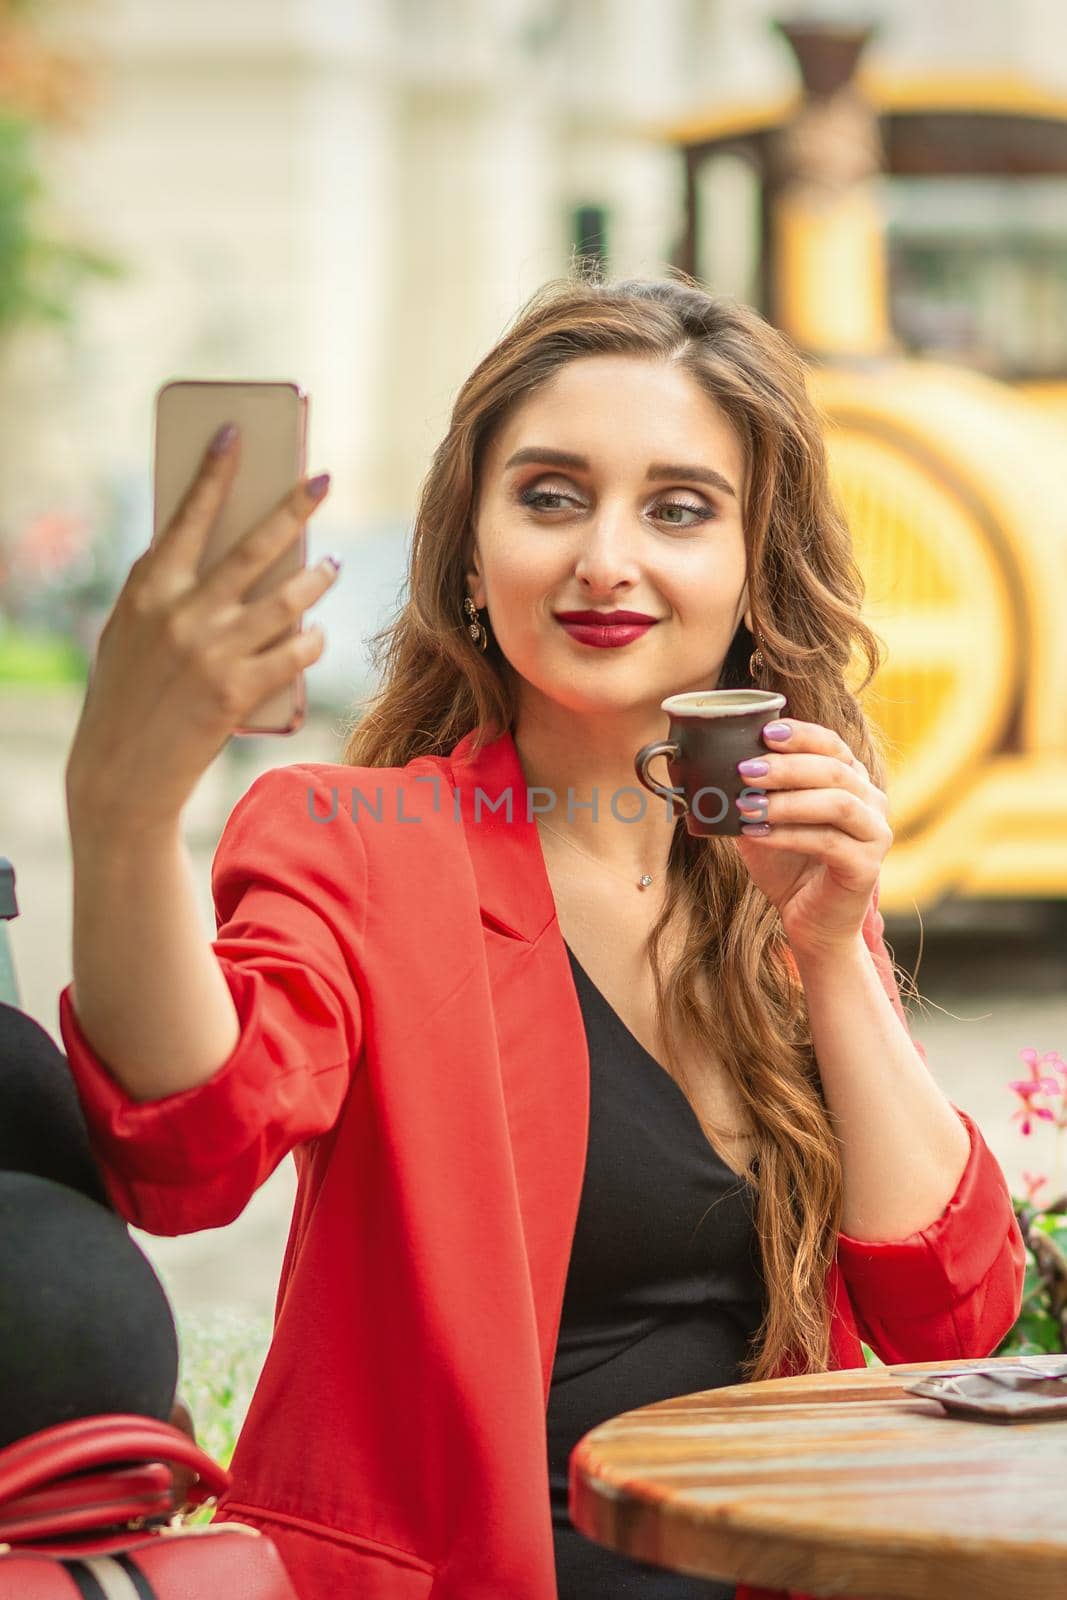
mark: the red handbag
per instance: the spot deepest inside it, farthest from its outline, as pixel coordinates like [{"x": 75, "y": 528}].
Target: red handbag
[{"x": 85, "y": 1514}]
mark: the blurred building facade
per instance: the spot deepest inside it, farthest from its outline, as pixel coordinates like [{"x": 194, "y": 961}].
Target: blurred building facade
[{"x": 359, "y": 194}]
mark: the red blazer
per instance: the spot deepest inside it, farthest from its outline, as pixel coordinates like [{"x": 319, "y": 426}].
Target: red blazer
[{"x": 411, "y": 1031}]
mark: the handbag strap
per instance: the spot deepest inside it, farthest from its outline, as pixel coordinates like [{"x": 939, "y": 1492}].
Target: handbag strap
[{"x": 104, "y": 1441}]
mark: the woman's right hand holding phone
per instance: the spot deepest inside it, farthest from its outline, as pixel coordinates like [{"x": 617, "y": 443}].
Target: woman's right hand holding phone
[{"x": 183, "y": 659}]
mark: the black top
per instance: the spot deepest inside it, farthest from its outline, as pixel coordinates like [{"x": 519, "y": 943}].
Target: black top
[{"x": 664, "y": 1287}]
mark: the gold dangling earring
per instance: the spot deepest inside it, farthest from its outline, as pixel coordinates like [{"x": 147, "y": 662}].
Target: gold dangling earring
[
  {"x": 756, "y": 662},
  {"x": 476, "y": 627}
]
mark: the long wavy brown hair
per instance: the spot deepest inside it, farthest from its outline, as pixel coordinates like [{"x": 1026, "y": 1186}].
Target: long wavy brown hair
[{"x": 735, "y": 990}]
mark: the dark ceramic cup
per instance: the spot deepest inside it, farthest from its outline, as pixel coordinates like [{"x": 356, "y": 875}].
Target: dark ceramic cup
[{"x": 710, "y": 731}]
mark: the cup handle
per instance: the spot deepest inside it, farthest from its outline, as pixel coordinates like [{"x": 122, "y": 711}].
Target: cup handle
[{"x": 648, "y": 753}]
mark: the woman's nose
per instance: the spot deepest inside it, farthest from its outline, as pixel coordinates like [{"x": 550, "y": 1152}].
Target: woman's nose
[{"x": 608, "y": 554}]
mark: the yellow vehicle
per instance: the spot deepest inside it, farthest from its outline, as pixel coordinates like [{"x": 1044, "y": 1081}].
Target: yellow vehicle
[{"x": 947, "y": 423}]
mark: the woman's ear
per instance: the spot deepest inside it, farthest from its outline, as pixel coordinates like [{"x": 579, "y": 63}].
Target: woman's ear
[{"x": 473, "y": 577}]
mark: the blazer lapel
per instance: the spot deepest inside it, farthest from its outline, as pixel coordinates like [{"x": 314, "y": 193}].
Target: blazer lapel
[
  {"x": 543, "y": 1051},
  {"x": 504, "y": 845}
]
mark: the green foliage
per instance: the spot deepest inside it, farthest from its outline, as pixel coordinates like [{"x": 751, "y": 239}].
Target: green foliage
[
  {"x": 1054, "y": 1227},
  {"x": 221, "y": 1356},
  {"x": 39, "y": 274},
  {"x": 1041, "y": 1327},
  {"x": 1038, "y": 1329},
  {"x": 31, "y": 658}
]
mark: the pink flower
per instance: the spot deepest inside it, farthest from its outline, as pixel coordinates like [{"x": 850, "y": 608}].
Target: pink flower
[
  {"x": 51, "y": 542},
  {"x": 1029, "y": 1088},
  {"x": 1025, "y": 1113},
  {"x": 1051, "y": 1058},
  {"x": 1033, "y": 1184}
]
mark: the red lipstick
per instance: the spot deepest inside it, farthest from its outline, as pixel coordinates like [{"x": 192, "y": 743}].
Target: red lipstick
[{"x": 605, "y": 629}]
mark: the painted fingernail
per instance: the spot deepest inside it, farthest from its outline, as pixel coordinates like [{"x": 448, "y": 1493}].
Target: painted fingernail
[
  {"x": 777, "y": 730},
  {"x": 317, "y": 487},
  {"x": 332, "y": 562},
  {"x": 223, "y": 439},
  {"x": 753, "y": 803},
  {"x": 753, "y": 769},
  {"x": 760, "y": 829}
]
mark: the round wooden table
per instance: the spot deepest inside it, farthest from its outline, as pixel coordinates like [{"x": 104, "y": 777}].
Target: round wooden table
[{"x": 838, "y": 1483}]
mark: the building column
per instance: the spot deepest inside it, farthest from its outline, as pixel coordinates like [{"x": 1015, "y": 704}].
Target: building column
[{"x": 345, "y": 199}]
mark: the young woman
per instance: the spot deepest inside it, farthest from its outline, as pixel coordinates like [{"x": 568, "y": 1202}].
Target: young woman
[{"x": 586, "y": 1111}]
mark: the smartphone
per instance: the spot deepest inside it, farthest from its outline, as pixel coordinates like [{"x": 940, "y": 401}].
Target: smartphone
[{"x": 272, "y": 418}]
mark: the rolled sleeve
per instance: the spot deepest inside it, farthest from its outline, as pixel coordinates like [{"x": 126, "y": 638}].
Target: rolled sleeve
[
  {"x": 289, "y": 895},
  {"x": 953, "y": 1289}
]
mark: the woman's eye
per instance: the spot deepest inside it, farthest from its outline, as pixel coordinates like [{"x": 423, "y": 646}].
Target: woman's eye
[
  {"x": 538, "y": 498},
  {"x": 701, "y": 513}
]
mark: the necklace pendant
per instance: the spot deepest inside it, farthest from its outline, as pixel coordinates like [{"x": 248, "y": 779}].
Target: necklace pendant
[{"x": 644, "y": 881}]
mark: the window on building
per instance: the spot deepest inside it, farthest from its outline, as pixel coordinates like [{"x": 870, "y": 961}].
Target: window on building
[{"x": 979, "y": 271}]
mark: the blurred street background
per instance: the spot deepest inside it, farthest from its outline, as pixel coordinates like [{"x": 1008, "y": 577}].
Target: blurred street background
[{"x": 359, "y": 194}]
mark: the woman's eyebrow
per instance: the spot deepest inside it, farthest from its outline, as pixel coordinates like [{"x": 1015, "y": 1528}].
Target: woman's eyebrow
[{"x": 658, "y": 469}]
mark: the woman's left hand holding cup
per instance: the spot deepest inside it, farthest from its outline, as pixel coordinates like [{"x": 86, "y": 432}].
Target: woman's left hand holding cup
[{"x": 819, "y": 862}]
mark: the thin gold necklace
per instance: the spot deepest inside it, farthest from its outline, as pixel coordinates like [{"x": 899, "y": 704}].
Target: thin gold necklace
[{"x": 643, "y": 881}]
